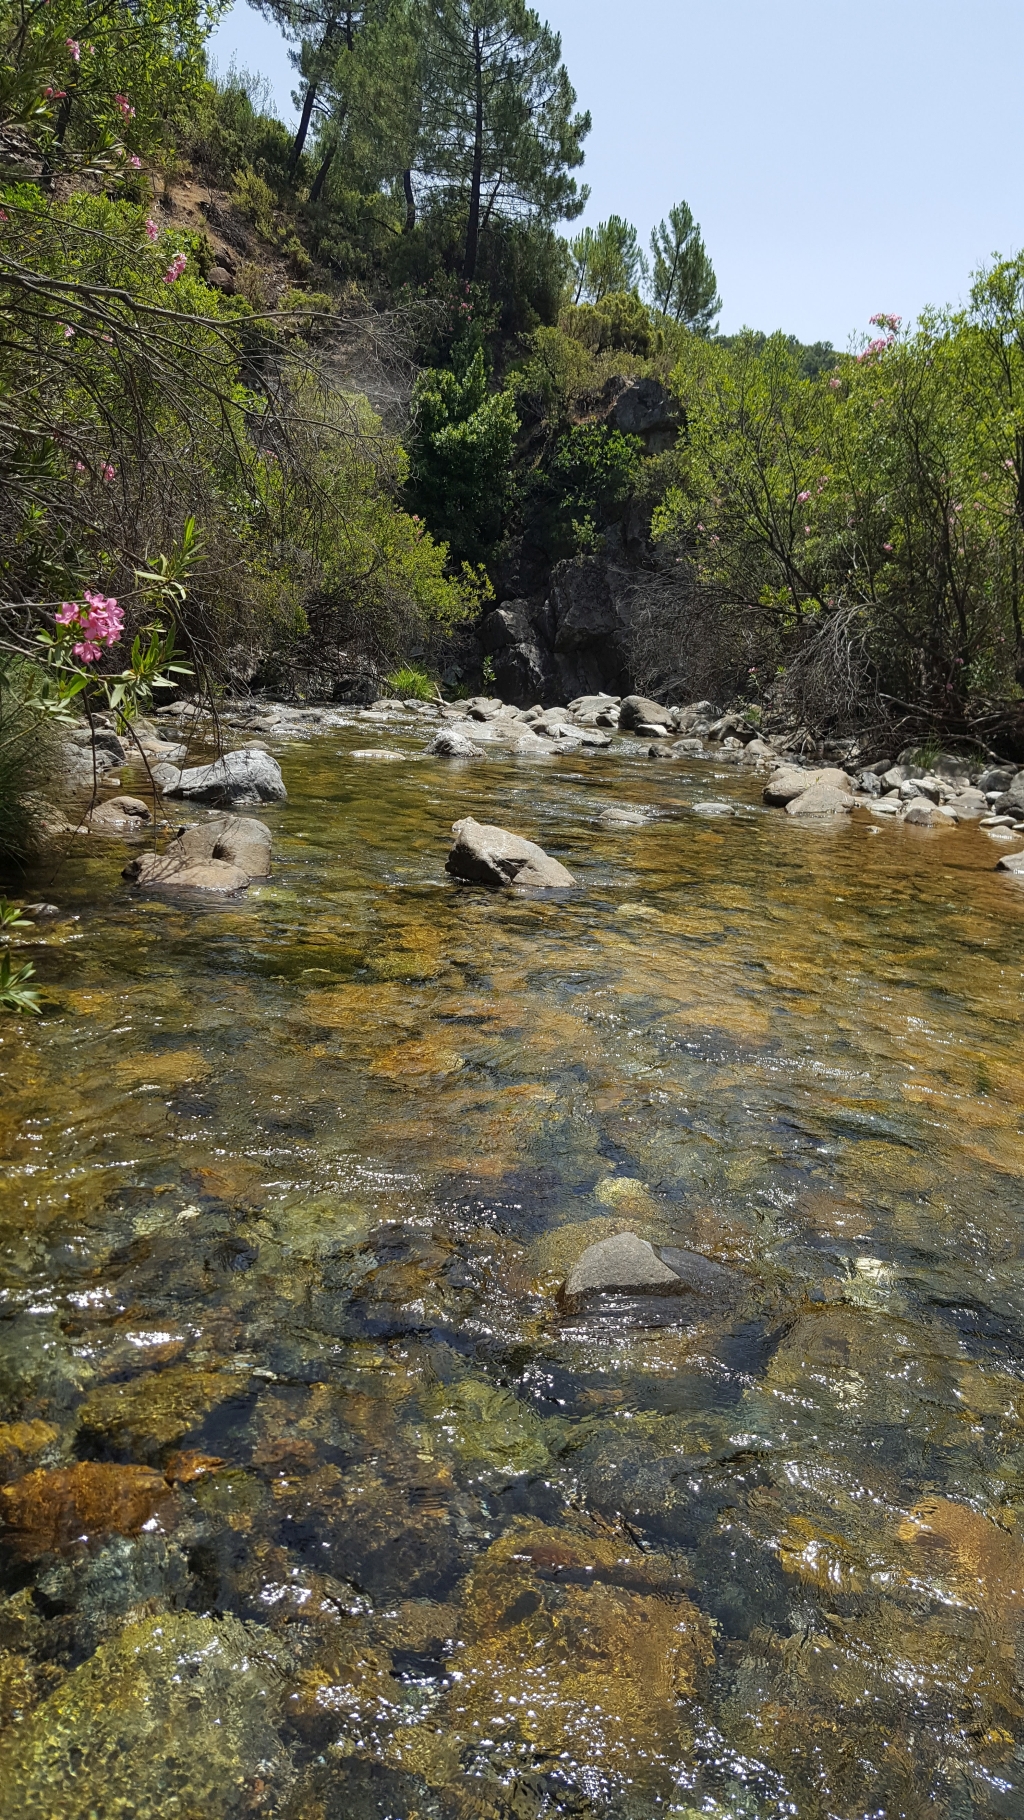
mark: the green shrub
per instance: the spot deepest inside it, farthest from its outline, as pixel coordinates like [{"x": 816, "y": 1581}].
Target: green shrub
[{"x": 412, "y": 684}]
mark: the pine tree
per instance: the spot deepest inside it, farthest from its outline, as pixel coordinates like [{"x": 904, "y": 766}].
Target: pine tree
[
  {"x": 607, "y": 258},
  {"x": 500, "y": 134},
  {"x": 683, "y": 282}
]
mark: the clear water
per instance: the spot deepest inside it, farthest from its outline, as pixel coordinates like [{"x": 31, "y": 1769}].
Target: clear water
[{"x": 318, "y": 1504}]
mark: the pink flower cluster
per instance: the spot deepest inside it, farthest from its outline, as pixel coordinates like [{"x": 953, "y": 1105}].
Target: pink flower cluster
[
  {"x": 75, "y": 48},
  {"x": 876, "y": 347},
  {"x": 885, "y": 321},
  {"x": 152, "y": 231},
  {"x": 176, "y": 267},
  {"x": 125, "y": 105},
  {"x": 100, "y": 622}
]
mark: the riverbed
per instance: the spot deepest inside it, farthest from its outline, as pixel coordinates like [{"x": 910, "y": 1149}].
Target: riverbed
[{"x": 383, "y": 1527}]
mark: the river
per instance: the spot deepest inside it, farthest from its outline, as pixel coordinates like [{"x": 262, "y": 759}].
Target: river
[{"x": 320, "y": 1504}]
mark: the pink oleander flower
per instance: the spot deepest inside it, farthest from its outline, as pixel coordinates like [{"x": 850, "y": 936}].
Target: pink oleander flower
[
  {"x": 152, "y": 231},
  {"x": 888, "y": 548},
  {"x": 135, "y": 162},
  {"x": 125, "y": 106},
  {"x": 884, "y": 321},
  {"x": 88, "y": 651},
  {"x": 69, "y": 611},
  {"x": 105, "y": 620},
  {"x": 107, "y": 472},
  {"x": 75, "y": 48},
  {"x": 835, "y": 383},
  {"x": 80, "y": 467},
  {"x": 176, "y": 267},
  {"x": 807, "y": 530},
  {"x": 801, "y": 498},
  {"x": 68, "y": 331},
  {"x": 56, "y": 94}
]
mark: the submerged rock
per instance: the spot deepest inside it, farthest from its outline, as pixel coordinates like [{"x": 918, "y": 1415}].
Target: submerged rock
[
  {"x": 382, "y": 752},
  {"x": 451, "y": 743},
  {"x": 486, "y": 855},
  {"x": 239, "y": 779},
  {"x": 50, "y": 1511},
  {"x": 578, "y": 1648},
  {"x": 624, "y": 818},
  {"x": 175, "y": 1717}
]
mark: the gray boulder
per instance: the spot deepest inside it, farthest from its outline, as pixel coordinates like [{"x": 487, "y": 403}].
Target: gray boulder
[
  {"x": 120, "y": 813},
  {"x": 451, "y": 742},
  {"x": 636, "y": 711},
  {"x": 486, "y": 855},
  {"x": 228, "y": 850},
  {"x": 238, "y": 780},
  {"x": 1011, "y": 862},
  {"x": 645, "y": 408},
  {"x": 997, "y": 777},
  {"x": 821, "y": 799},
  {"x": 628, "y": 1266},
  {"x": 791, "y": 781}
]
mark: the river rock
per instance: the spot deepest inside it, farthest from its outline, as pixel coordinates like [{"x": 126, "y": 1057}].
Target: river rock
[
  {"x": 623, "y": 1265},
  {"x": 385, "y": 753},
  {"x": 120, "y": 813},
  {"x": 970, "y": 805},
  {"x": 792, "y": 780},
  {"x": 153, "y": 869},
  {"x": 997, "y": 778},
  {"x": 165, "y": 777},
  {"x": 486, "y": 855},
  {"x": 821, "y": 799},
  {"x": 627, "y": 1265},
  {"x": 1011, "y": 862},
  {"x": 623, "y": 818},
  {"x": 636, "y": 711},
  {"x": 238, "y": 840},
  {"x": 920, "y": 813},
  {"x": 593, "y": 736},
  {"x": 237, "y": 780},
  {"x": 50, "y": 1511},
  {"x": 451, "y": 742}
]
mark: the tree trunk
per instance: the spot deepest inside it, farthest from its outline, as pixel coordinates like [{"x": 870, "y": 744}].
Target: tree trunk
[
  {"x": 321, "y": 177},
  {"x": 410, "y": 202},
  {"x": 473, "y": 226},
  {"x": 308, "y": 103}
]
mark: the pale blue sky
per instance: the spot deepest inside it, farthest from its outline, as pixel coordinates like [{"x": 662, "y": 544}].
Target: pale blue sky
[{"x": 840, "y": 159}]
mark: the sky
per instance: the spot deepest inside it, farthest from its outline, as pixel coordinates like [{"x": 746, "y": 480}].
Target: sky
[{"x": 840, "y": 159}]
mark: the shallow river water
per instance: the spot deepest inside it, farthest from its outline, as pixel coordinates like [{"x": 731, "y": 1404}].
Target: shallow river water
[{"x": 319, "y": 1505}]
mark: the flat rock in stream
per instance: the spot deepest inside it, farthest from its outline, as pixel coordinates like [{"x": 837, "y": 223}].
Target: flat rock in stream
[
  {"x": 237, "y": 780},
  {"x": 486, "y": 855},
  {"x": 1011, "y": 862},
  {"x": 624, "y": 818},
  {"x": 382, "y": 752}
]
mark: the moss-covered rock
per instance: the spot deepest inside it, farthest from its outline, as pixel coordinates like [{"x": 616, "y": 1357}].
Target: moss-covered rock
[
  {"x": 150, "y": 1412},
  {"x": 172, "y": 1720}
]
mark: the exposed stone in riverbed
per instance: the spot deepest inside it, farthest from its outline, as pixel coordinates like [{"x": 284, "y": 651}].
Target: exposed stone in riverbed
[{"x": 486, "y": 855}]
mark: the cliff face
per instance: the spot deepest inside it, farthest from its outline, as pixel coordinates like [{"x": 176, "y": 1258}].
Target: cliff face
[{"x": 566, "y": 630}]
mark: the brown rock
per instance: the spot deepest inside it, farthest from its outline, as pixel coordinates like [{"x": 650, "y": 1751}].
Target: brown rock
[
  {"x": 50, "y": 1511},
  {"x": 215, "y": 875},
  {"x": 185, "y": 1468},
  {"x": 821, "y": 799}
]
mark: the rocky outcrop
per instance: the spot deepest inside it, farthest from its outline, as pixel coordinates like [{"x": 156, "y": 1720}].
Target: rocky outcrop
[
  {"x": 644, "y": 408},
  {"x": 486, "y": 855},
  {"x": 575, "y": 642},
  {"x": 238, "y": 780}
]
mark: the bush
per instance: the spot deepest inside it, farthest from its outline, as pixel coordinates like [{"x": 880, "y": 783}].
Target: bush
[{"x": 411, "y": 684}]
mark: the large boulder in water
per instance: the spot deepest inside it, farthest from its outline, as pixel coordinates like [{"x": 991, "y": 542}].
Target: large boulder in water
[
  {"x": 238, "y": 780},
  {"x": 223, "y": 854},
  {"x": 792, "y": 780},
  {"x": 486, "y": 855},
  {"x": 451, "y": 742},
  {"x": 638, "y": 711}
]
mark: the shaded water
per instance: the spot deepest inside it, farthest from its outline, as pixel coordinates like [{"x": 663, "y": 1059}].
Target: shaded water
[{"x": 319, "y": 1506}]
